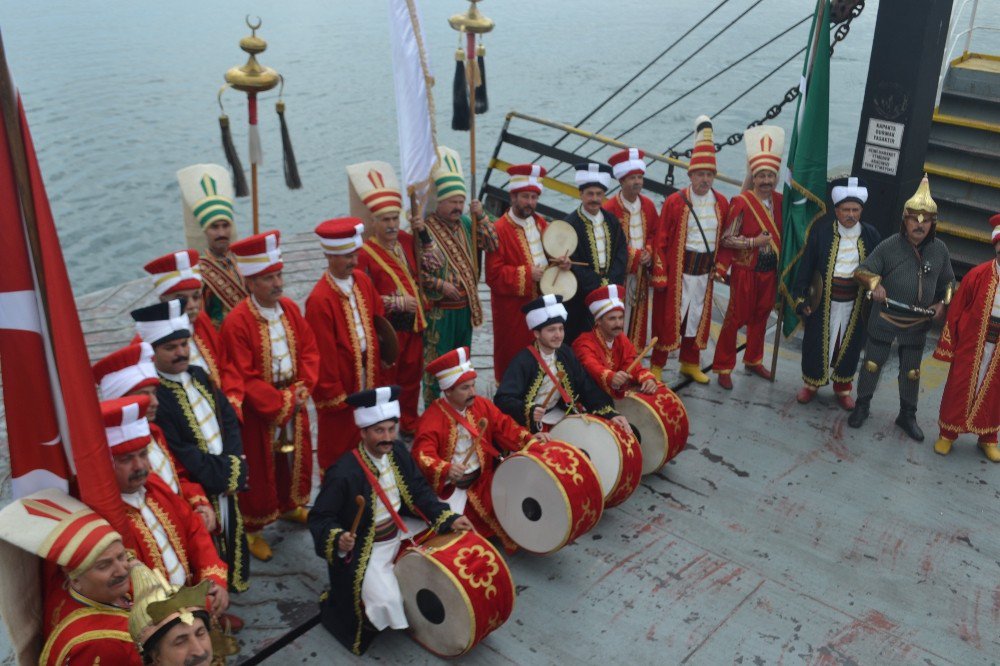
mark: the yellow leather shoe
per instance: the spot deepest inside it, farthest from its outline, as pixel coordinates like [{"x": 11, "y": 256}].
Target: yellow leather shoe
[
  {"x": 694, "y": 372},
  {"x": 943, "y": 446},
  {"x": 299, "y": 515},
  {"x": 657, "y": 371},
  {"x": 991, "y": 451},
  {"x": 258, "y": 547}
]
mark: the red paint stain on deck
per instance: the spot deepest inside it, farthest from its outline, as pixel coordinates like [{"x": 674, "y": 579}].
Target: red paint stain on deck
[
  {"x": 650, "y": 635},
  {"x": 996, "y": 605},
  {"x": 736, "y": 527},
  {"x": 871, "y": 624},
  {"x": 968, "y": 628},
  {"x": 835, "y": 443},
  {"x": 728, "y": 578}
]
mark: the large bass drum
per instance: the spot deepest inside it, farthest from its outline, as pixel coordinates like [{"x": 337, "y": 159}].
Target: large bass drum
[
  {"x": 662, "y": 423},
  {"x": 546, "y": 495},
  {"x": 456, "y": 590},
  {"x": 614, "y": 452}
]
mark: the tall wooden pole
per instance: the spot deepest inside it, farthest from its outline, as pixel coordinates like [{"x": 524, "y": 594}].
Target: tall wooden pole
[{"x": 471, "y": 69}]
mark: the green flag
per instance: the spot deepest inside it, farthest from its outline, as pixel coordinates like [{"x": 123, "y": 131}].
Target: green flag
[{"x": 805, "y": 188}]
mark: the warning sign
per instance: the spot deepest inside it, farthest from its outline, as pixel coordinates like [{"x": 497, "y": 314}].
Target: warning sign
[
  {"x": 880, "y": 160},
  {"x": 885, "y": 133}
]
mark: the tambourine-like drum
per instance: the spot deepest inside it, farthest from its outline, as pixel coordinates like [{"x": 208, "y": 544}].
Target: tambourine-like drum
[
  {"x": 559, "y": 239},
  {"x": 614, "y": 452},
  {"x": 559, "y": 282},
  {"x": 662, "y": 423},
  {"x": 456, "y": 590},
  {"x": 546, "y": 495}
]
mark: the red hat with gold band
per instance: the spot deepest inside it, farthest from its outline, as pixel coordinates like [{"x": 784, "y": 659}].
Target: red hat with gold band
[
  {"x": 341, "y": 235},
  {"x": 125, "y": 370},
  {"x": 175, "y": 272},
  {"x": 259, "y": 254},
  {"x": 605, "y": 299},
  {"x": 995, "y": 223},
  {"x": 526, "y": 178},
  {"x": 703, "y": 153},
  {"x": 627, "y": 162},
  {"x": 59, "y": 528},
  {"x": 125, "y": 424},
  {"x": 452, "y": 368}
]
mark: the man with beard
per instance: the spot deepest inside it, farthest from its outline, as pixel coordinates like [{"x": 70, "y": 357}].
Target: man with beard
[
  {"x": 834, "y": 331},
  {"x": 364, "y": 596},
  {"x": 453, "y": 306},
  {"x": 341, "y": 310},
  {"x": 687, "y": 239},
  {"x": 605, "y": 352},
  {"x": 638, "y": 218},
  {"x": 545, "y": 380},
  {"x": 514, "y": 269},
  {"x": 169, "y": 623},
  {"x": 201, "y": 429},
  {"x": 167, "y": 535},
  {"x": 86, "y": 616},
  {"x": 748, "y": 258},
  {"x": 971, "y": 398},
  {"x": 601, "y": 255},
  {"x": 274, "y": 350},
  {"x": 910, "y": 278},
  {"x": 450, "y": 428},
  {"x": 178, "y": 275},
  {"x": 207, "y": 190}
]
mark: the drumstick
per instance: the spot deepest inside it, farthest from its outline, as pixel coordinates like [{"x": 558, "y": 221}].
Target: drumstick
[
  {"x": 360, "y": 501},
  {"x": 638, "y": 359},
  {"x": 556, "y": 262},
  {"x": 559, "y": 376},
  {"x": 472, "y": 449}
]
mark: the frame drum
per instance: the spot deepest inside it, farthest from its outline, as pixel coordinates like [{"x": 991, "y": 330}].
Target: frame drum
[
  {"x": 557, "y": 281},
  {"x": 546, "y": 495},
  {"x": 559, "y": 239},
  {"x": 615, "y": 453},
  {"x": 456, "y": 589}
]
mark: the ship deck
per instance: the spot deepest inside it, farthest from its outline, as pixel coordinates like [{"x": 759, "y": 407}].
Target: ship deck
[{"x": 779, "y": 535}]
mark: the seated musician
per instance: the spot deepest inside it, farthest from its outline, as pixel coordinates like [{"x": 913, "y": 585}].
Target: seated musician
[
  {"x": 356, "y": 524},
  {"x": 459, "y": 438},
  {"x": 545, "y": 380},
  {"x": 605, "y": 352}
]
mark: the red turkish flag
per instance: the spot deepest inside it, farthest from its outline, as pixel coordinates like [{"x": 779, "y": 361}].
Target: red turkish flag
[{"x": 54, "y": 423}]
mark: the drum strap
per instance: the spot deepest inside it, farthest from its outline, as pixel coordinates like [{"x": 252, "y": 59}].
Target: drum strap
[
  {"x": 473, "y": 430},
  {"x": 373, "y": 480},
  {"x": 548, "y": 371}
]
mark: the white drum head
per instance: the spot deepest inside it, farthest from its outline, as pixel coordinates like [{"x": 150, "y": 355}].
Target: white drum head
[
  {"x": 598, "y": 443},
  {"x": 439, "y": 613},
  {"x": 559, "y": 282},
  {"x": 559, "y": 239},
  {"x": 530, "y": 505},
  {"x": 652, "y": 436}
]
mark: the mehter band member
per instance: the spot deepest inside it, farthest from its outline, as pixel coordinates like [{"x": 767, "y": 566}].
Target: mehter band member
[{"x": 169, "y": 623}]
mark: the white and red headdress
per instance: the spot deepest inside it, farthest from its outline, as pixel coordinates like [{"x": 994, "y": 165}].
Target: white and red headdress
[
  {"x": 703, "y": 153},
  {"x": 125, "y": 370},
  {"x": 175, "y": 272},
  {"x": 452, "y": 368},
  {"x": 259, "y": 254},
  {"x": 995, "y": 223},
  {"x": 627, "y": 162},
  {"x": 605, "y": 299},
  {"x": 764, "y": 145},
  {"x": 341, "y": 235},
  {"x": 376, "y": 186},
  {"x": 125, "y": 424},
  {"x": 526, "y": 178}
]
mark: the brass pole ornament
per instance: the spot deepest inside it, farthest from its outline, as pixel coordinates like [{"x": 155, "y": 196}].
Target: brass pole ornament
[
  {"x": 472, "y": 21},
  {"x": 252, "y": 77}
]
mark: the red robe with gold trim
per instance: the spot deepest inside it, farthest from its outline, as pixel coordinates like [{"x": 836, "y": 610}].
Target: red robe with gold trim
[
  {"x": 508, "y": 274},
  {"x": 668, "y": 271},
  {"x": 638, "y": 317},
  {"x": 434, "y": 446},
  {"x": 966, "y": 407},
  {"x": 277, "y": 482},
  {"x": 391, "y": 275},
  {"x": 86, "y": 633},
  {"x": 185, "y": 530},
  {"x": 602, "y": 362},
  {"x": 189, "y": 490},
  {"x": 343, "y": 368}
]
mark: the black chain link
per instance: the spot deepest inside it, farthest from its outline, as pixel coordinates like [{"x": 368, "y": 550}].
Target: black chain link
[{"x": 790, "y": 95}]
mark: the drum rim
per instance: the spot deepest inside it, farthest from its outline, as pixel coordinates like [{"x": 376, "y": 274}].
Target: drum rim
[
  {"x": 666, "y": 435},
  {"x": 621, "y": 456},
  {"x": 571, "y": 230},
  {"x": 558, "y": 271}
]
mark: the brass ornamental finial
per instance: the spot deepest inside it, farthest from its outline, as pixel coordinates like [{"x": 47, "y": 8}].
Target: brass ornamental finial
[
  {"x": 472, "y": 21},
  {"x": 252, "y": 77}
]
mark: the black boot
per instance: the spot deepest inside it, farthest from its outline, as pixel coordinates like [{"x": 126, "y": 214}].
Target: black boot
[
  {"x": 907, "y": 420},
  {"x": 860, "y": 413}
]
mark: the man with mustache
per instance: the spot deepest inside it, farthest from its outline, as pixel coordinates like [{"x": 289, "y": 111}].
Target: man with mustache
[
  {"x": 605, "y": 351},
  {"x": 971, "y": 398},
  {"x": 364, "y": 596},
  {"x": 274, "y": 351},
  {"x": 201, "y": 429},
  {"x": 827, "y": 297},
  {"x": 85, "y": 620},
  {"x": 448, "y": 431},
  {"x": 167, "y": 535},
  {"x": 453, "y": 306},
  {"x": 913, "y": 270},
  {"x": 178, "y": 632}
]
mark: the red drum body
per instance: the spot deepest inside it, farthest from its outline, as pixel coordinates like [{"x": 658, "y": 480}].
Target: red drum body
[
  {"x": 456, "y": 590},
  {"x": 546, "y": 495},
  {"x": 614, "y": 452},
  {"x": 662, "y": 423}
]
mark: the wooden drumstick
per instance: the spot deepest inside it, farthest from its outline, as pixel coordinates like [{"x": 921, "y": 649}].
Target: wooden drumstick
[
  {"x": 483, "y": 423},
  {"x": 638, "y": 359},
  {"x": 556, "y": 262},
  {"x": 559, "y": 376},
  {"x": 360, "y": 501}
]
